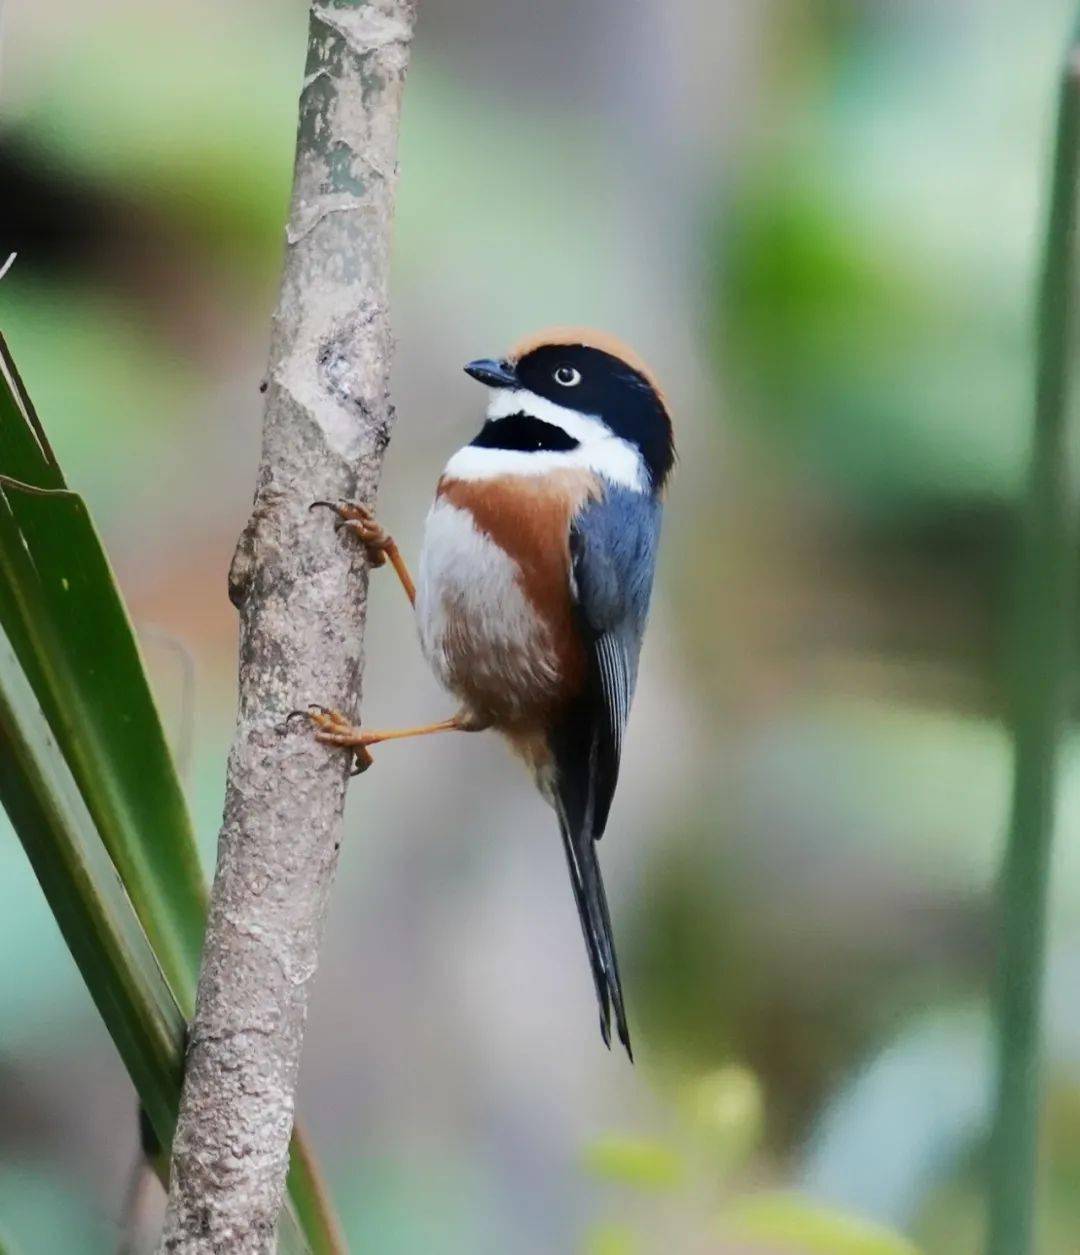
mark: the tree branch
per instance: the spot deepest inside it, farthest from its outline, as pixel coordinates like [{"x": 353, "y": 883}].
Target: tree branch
[{"x": 301, "y": 593}]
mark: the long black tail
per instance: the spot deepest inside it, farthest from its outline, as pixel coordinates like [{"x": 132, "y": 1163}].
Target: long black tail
[{"x": 596, "y": 925}]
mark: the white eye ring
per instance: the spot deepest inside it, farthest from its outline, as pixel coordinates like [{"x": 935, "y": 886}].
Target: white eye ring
[{"x": 567, "y": 376}]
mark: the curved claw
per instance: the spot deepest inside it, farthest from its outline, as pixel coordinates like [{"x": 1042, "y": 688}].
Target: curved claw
[
  {"x": 321, "y": 716},
  {"x": 344, "y": 509},
  {"x": 359, "y": 520},
  {"x": 362, "y": 760},
  {"x": 306, "y": 712}
]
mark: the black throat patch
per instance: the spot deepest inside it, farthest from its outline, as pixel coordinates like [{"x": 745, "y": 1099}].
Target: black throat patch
[{"x": 525, "y": 434}]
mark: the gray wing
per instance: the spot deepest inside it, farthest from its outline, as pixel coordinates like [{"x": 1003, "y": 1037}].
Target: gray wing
[
  {"x": 613, "y": 546},
  {"x": 613, "y": 553}
]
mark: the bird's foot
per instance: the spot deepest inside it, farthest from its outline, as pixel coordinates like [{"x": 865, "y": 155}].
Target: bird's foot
[
  {"x": 359, "y": 520},
  {"x": 334, "y": 728}
]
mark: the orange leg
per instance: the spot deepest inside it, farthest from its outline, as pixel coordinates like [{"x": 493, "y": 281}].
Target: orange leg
[
  {"x": 378, "y": 543},
  {"x": 333, "y": 728}
]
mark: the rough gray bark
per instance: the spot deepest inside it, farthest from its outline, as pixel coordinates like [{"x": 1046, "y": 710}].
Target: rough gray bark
[{"x": 301, "y": 592}]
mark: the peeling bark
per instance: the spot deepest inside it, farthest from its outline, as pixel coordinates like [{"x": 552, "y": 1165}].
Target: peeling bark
[{"x": 301, "y": 592}]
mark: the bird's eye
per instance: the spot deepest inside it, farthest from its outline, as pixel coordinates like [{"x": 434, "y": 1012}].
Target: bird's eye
[{"x": 567, "y": 376}]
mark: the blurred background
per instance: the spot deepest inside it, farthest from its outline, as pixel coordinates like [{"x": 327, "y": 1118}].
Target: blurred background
[{"x": 820, "y": 221}]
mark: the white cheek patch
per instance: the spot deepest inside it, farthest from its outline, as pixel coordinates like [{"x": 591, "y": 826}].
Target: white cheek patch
[
  {"x": 583, "y": 427},
  {"x": 599, "y": 449}
]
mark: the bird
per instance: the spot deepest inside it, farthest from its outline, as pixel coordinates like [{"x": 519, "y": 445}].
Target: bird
[{"x": 534, "y": 582}]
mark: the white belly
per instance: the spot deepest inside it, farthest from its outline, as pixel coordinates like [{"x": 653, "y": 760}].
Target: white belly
[{"x": 478, "y": 629}]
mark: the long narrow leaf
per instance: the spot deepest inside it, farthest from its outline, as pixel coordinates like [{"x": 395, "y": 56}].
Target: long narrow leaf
[
  {"x": 65, "y": 623},
  {"x": 25, "y": 451},
  {"x": 95, "y": 915},
  {"x": 1043, "y": 656},
  {"x": 86, "y": 896}
]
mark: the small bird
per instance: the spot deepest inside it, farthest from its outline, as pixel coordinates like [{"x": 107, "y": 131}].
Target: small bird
[{"x": 534, "y": 584}]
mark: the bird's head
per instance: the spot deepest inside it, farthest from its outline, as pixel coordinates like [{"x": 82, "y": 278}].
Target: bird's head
[{"x": 584, "y": 395}]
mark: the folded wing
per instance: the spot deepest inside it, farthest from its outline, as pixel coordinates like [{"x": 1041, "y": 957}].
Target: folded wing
[{"x": 613, "y": 555}]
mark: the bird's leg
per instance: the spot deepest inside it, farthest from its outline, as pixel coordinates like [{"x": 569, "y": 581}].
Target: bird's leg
[
  {"x": 378, "y": 543},
  {"x": 333, "y": 728}
]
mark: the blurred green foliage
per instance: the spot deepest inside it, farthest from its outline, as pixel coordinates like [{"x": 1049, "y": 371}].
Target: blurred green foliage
[
  {"x": 835, "y": 567},
  {"x": 870, "y": 370},
  {"x": 874, "y": 272},
  {"x": 610, "y": 1239},
  {"x": 47, "y": 1214},
  {"x": 783, "y": 1223},
  {"x": 694, "y": 1173},
  {"x": 634, "y": 1161}
]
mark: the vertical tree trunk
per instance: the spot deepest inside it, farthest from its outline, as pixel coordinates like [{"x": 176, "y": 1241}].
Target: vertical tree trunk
[{"x": 301, "y": 592}]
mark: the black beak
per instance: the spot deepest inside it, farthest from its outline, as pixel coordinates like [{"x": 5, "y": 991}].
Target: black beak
[{"x": 494, "y": 374}]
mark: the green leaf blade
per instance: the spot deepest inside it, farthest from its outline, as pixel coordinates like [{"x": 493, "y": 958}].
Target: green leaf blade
[
  {"x": 89, "y": 783},
  {"x": 94, "y": 691},
  {"x": 25, "y": 452},
  {"x": 87, "y": 898},
  {"x": 784, "y": 1222}
]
